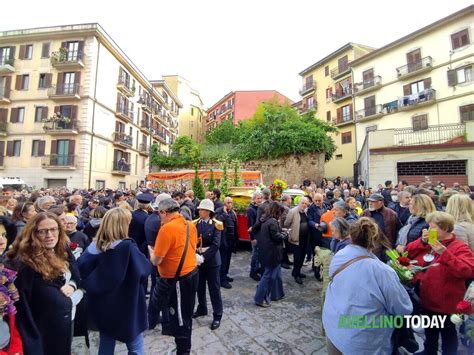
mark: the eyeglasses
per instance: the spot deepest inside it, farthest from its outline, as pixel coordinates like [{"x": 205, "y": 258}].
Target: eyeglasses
[{"x": 44, "y": 232}]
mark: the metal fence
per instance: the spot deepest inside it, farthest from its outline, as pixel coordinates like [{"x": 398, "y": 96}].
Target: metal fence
[{"x": 431, "y": 135}]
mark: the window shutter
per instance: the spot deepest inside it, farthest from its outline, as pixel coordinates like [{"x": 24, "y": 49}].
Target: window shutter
[
  {"x": 59, "y": 81},
  {"x": 465, "y": 38},
  {"x": 339, "y": 114},
  {"x": 64, "y": 45},
  {"x": 77, "y": 78},
  {"x": 14, "y": 115},
  {"x": 8, "y": 84},
  {"x": 10, "y": 148},
  {"x": 18, "y": 82},
  {"x": 57, "y": 109},
  {"x": 54, "y": 147},
  {"x": 45, "y": 50},
  {"x": 41, "y": 146},
  {"x": 44, "y": 112},
  {"x": 118, "y": 100},
  {"x": 350, "y": 110},
  {"x": 427, "y": 83},
  {"x": 455, "y": 42},
  {"x": 406, "y": 89},
  {"x": 452, "y": 77},
  {"x": 81, "y": 49},
  {"x": 12, "y": 52},
  {"x": 48, "y": 78},
  {"x": 3, "y": 114},
  {"x": 74, "y": 112},
  {"x": 120, "y": 75},
  {"x": 2, "y": 148},
  {"x": 72, "y": 145},
  {"x": 21, "y": 54}
]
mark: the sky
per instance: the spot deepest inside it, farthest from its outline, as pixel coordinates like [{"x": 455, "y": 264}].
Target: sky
[{"x": 222, "y": 46}]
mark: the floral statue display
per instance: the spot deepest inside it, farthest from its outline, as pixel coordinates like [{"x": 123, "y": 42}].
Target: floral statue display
[
  {"x": 11, "y": 340},
  {"x": 277, "y": 188},
  {"x": 58, "y": 117}
]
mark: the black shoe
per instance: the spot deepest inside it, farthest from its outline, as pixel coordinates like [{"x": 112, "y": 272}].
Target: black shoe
[
  {"x": 255, "y": 276},
  {"x": 264, "y": 304},
  {"x": 226, "y": 285},
  {"x": 216, "y": 323},
  {"x": 298, "y": 280},
  {"x": 229, "y": 279},
  {"x": 302, "y": 276},
  {"x": 199, "y": 314},
  {"x": 285, "y": 266}
]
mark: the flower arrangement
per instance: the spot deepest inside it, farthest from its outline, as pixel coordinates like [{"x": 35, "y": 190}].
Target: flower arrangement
[
  {"x": 58, "y": 117},
  {"x": 465, "y": 314},
  {"x": 277, "y": 188},
  {"x": 403, "y": 266},
  {"x": 8, "y": 291}
]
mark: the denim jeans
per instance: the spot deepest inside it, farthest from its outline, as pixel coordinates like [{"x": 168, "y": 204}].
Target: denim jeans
[
  {"x": 134, "y": 347},
  {"x": 254, "y": 261},
  {"x": 270, "y": 286}
]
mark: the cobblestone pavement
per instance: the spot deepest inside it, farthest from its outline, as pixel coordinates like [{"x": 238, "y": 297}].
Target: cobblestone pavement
[{"x": 289, "y": 326}]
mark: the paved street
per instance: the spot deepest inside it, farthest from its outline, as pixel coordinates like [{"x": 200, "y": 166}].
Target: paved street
[{"x": 290, "y": 326}]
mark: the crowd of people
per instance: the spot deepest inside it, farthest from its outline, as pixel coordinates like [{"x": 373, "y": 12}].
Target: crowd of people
[{"x": 122, "y": 262}]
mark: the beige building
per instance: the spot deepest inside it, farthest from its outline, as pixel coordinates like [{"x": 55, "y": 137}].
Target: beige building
[
  {"x": 74, "y": 109},
  {"x": 412, "y": 100},
  {"x": 192, "y": 115},
  {"x": 327, "y": 89}
]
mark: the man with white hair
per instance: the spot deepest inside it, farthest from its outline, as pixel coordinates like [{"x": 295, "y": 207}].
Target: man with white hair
[
  {"x": 74, "y": 235},
  {"x": 45, "y": 202},
  {"x": 400, "y": 205}
]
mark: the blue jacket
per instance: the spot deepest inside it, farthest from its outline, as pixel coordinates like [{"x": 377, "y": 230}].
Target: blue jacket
[
  {"x": 152, "y": 227},
  {"x": 402, "y": 213},
  {"x": 416, "y": 230},
  {"x": 114, "y": 281},
  {"x": 314, "y": 217},
  {"x": 136, "y": 230},
  {"x": 337, "y": 245},
  {"x": 211, "y": 238},
  {"x": 251, "y": 218}
]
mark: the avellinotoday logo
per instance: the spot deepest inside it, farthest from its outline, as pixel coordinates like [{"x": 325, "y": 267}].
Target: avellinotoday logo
[{"x": 391, "y": 321}]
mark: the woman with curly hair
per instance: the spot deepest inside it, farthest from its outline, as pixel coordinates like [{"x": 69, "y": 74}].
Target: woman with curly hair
[{"x": 47, "y": 282}]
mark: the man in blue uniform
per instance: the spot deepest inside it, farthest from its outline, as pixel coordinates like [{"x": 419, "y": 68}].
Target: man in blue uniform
[
  {"x": 139, "y": 216},
  {"x": 209, "y": 239}
]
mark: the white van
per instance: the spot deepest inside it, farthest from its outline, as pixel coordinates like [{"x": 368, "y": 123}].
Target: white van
[{"x": 15, "y": 182}]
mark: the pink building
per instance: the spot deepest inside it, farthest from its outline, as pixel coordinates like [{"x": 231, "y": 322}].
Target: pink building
[{"x": 240, "y": 105}]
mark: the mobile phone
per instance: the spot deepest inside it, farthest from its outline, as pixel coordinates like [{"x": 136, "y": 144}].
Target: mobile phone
[{"x": 432, "y": 236}]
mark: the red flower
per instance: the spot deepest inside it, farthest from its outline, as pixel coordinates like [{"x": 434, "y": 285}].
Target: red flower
[
  {"x": 73, "y": 246},
  {"x": 464, "y": 307},
  {"x": 404, "y": 261}
]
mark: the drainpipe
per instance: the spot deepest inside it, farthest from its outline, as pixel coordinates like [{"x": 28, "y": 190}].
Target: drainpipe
[{"x": 93, "y": 114}]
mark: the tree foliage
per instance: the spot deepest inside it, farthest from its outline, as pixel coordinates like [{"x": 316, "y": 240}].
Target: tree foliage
[
  {"x": 198, "y": 187},
  {"x": 212, "y": 182},
  {"x": 224, "y": 183}
]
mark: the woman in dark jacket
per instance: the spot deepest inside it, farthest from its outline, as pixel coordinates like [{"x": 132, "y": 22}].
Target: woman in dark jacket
[
  {"x": 93, "y": 225},
  {"x": 8, "y": 232},
  {"x": 114, "y": 272},
  {"x": 48, "y": 284},
  {"x": 270, "y": 240}
]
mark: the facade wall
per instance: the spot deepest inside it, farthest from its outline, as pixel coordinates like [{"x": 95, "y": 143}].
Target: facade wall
[{"x": 246, "y": 102}]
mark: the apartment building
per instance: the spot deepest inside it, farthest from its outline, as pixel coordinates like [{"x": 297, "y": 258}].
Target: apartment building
[
  {"x": 414, "y": 105},
  {"x": 74, "y": 109},
  {"x": 240, "y": 105},
  {"x": 327, "y": 88},
  {"x": 192, "y": 114}
]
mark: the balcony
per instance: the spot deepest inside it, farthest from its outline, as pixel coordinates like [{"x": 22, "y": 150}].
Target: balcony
[
  {"x": 145, "y": 125},
  {"x": 67, "y": 60},
  {"x": 308, "y": 88},
  {"x": 59, "y": 162},
  {"x": 339, "y": 72},
  {"x": 60, "y": 127},
  {"x": 65, "y": 92},
  {"x": 368, "y": 85},
  {"x": 339, "y": 96},
  {"x": 3, "y": 129},
  {"x": 159, "y": 136},
  {"x": 422, "y": 98},
  {"x": 343, "y": 120},
  {"x": 5, "y": 96},
  {"x": 123, "y": 140},
  {"x": 7, "y": 65},
  {"x": 432, "y": 135},
  {"x": 144, "y": 149},
  {"x": 369, "y": 113},
  {"x": 412, "y": 69},
  {"x": 121, "y": 168},
  {"x": 306, "y": 108},
  {"x": 146, "y": 104},
  {"x": 124, "y": 113},
  {"x": 124, "y": 87}
]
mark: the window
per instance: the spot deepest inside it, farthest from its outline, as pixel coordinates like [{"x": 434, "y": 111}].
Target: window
[
  {"x": 346, "y": 113},
  {"x": 328, "y": 116},
  {"x": 17, "y": 115},
  {"x": 72, "y": 51},
  {"x": 369, "y": 105},
  {"x": 464, "y": 75},
  {"x": 467, "y": 112},
  {"x": 417, "y": 87},
  {"x": 328, "y": 93},
  {"x": 29, "y": 51},
  {"x": 37, "y": 149},
  {"x": 460, "y": 39},
  {"x": 41, "y": 112},
  {"x": 420, "y": 122},
  {"x": 122, "y": 185},
  {"x": 343, "y": 63},
  {"x": 326, "y": 70},
  {"x": 7, "y": 55},
  {"x": 44, "y": 81},
  {"x": 13, "y": 148},
  {"x": 346, "y": 137},
  {"x": 45, "y": 50},
  {"x": 100, "y": 184},
  {"x": 22, "y": 82},
  {"x": 21, "y": 114},
  {"x": 338, "y": 156}
]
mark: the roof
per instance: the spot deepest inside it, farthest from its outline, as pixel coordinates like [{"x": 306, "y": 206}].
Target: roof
[
  {"x": 224, "y": 98},
  {"x": 168, "y": 90},
  {"x": 334, "y": 54},
  {"x": 417, "y": 33}
]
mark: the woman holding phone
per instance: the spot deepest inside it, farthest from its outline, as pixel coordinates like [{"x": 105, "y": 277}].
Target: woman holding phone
[{"x": 443, "y": 285}]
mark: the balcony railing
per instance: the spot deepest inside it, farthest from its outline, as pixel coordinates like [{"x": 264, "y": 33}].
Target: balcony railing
[
  {"x": 3, "y": 128},
  {"x": 343, "y": 119},
  {"x": 123, "y": 139},
  {"x": 159, "y": 134},
  {"x": 123, "y": 111},
  {"x": 7, "y": 65},
  {"x": 307, "y": 87},
  {"x": 369, "y": 112},
  {"x": 144, "y": 148},
  {"x": 121, "y": 167},
  {"x": 145, "y": 124},
  {"x": 340, "y": 71},
  {"x": 342, "y": 95},
  {"x": 124, "y": 86},
  {"x": 410, "y": 101},
  {"x": 415, "y": 67},
  {"x": 59, "y": 161},
  {"x": 432, "y": 135},
  {"x": 368, "y": 85},
  {"x": 60, "y": 127},
  {"x": 66, "y": 58},
  {"x": 65, "y": 90}
]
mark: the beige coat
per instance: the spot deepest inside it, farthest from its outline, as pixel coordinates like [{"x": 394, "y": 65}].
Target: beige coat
[
  {"x": 465, "y": 231},
  {"x": 293, "y": 221}
]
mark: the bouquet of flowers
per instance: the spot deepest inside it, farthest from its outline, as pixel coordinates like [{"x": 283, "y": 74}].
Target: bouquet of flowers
[
  {"x": 8, "y": 291},
  {"x": 277, "y": 188},
  {"x": 465, "y": 314},
  {"x": 401, "y": 264}
]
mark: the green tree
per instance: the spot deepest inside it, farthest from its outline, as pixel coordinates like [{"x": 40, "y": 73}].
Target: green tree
[
  {"x": 237, "y": 181},
  {"x": 185, "y": 150},
  {"x": 198, "y": 188},
  {"x": 212, "y": 181},
  {"x": 224, "y": 184},
  {"x": 224, "y": 133}
]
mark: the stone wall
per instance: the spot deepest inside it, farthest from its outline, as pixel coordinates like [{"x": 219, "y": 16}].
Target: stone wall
[{"x": 293, "y": 169}]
